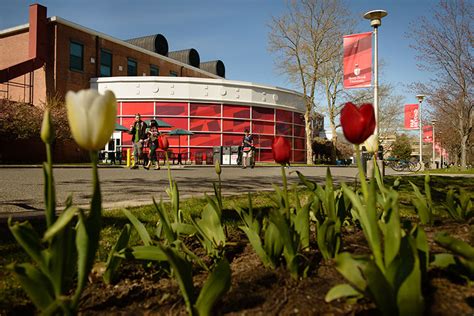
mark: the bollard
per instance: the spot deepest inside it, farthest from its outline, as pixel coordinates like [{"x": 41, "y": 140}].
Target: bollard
[{"x": 128, "y": 157}]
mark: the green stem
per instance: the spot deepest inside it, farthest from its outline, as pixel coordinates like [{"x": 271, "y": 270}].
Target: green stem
[
  {"x": 285, "y": 190},
  {"x": 363, "y": 183},
  {"x": 93, "y": 226},
  {"x": 220, "y": 191},
  {"x": 50, "y": 193}
]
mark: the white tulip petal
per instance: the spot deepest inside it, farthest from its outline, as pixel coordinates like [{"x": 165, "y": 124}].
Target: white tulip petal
[{"x": 91, "y": 117}]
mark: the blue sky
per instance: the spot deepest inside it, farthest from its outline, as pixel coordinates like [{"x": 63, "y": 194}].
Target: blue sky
[{"x": 234, "y": 31}]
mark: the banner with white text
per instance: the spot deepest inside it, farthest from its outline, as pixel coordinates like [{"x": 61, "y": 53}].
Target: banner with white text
[
  {"x": 412, "y": 117},
  {"x": 357, "y": 60}
]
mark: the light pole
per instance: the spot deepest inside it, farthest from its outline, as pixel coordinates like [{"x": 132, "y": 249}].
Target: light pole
[
  {"x": 420, "y": 98},
  {"x": 433, "y": 165},
  {"x": 375, "y": 17}
]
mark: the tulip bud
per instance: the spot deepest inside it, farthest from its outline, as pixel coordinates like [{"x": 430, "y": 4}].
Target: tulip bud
[
  {"x": 47, "y": 130},
  {"x": 217, "y": 165},
  {"x": 371, "y": 144},
  {"x": 91, "y": 117},
  {"x": 281, "y": 150},
  {"x": 357, "y": 123},
  {"x": 163, "y": 142}
]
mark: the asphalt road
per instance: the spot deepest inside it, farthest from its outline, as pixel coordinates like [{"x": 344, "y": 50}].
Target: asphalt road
[{"x": 21, "y": 192}]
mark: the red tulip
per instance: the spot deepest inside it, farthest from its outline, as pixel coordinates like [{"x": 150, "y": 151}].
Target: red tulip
[
  {"x": 163, "y": 142},
  {"x": 357, "y": 123},
  {"x": 281, "y": 150}
]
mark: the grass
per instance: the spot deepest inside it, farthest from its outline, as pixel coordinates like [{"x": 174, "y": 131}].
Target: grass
[{"x": 114, "y": 220}]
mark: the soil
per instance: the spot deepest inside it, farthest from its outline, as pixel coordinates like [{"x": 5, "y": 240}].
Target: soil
[{"x": 144, "y": 290}]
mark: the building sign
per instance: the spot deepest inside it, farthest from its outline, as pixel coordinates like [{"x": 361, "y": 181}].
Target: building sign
[
  {"x": 412, "y": 116},
  {"x": 357, "y": 60}
]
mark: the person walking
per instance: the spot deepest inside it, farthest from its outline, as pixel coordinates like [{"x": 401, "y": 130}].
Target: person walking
[
  {"x": 247, "y": 150},
  {"x": 153, "y": 134},
  {"x": 138, "y": 131}
]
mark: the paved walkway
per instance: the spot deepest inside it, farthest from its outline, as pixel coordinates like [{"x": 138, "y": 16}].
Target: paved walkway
[{"x": 21, "y": 189}]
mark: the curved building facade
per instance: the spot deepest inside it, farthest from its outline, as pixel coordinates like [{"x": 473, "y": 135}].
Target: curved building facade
[{"x": 216, "y": 111}]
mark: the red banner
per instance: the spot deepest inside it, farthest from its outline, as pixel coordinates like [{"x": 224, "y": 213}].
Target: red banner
[
  {"x": 428, "y": 134},
  {"x": 412, "y": 118},
  {"x": 358, "y": 60}
]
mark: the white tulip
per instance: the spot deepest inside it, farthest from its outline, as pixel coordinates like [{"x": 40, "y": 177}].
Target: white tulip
[
  {"x": 91, "y": 117},
  {"x": 371, "y": 144}
]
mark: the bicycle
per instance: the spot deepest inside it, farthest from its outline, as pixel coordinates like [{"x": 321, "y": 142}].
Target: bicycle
[{"x": 402, "y": 165}]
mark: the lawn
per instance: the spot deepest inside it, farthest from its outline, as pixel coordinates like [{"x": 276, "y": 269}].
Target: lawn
[{"x": 145, "y": 286}]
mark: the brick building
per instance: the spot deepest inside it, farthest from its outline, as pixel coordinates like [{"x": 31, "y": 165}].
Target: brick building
[{"x": 50, "y": 56}]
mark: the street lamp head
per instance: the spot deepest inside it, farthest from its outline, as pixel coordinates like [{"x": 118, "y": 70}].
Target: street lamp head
[
  {"x": 375, "y": 17},
  {"x": 433, "y": 121},
  {"x": 420, "y": 97}
]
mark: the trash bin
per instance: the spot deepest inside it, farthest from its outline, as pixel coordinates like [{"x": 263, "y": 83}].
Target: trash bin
[
  {"x": 226, "y": 151},
  {"x": 234, "y": 155},
  {"x": 217, "y": 154}
]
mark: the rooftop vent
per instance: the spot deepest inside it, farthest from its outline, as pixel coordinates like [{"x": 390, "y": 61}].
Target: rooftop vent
[{"x": 156, "y": 43}]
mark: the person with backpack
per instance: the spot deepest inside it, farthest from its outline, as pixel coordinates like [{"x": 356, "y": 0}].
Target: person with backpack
[
  {"x": 247, "y": 150},
  {"x": 138, "y": 132}
]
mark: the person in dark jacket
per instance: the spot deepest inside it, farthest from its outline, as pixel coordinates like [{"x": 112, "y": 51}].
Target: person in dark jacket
[
  {"x": 138, "y": 131},
  {"x": 247, "y": 150}
]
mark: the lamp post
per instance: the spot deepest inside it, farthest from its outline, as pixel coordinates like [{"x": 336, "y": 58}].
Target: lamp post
[
  {"x": 375, "y": 17},
  {"x": 433, "y": 165},
  {"x": 420, "y": 98}
]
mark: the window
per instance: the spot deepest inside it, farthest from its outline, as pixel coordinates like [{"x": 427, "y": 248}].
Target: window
[
  {"x": 105, "y": 63},
  {"x": 154, "y": 70},
  {"x": 173, "y": 73},
  {"x": 131, "y": 67},
  {"x": 76, "y": 56}
]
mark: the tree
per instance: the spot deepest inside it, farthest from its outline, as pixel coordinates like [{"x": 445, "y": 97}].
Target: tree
[
  {"x": 444, "y": 44},
  {"x": 401, "y": 147},
  {"x": 304, "y": 40}
]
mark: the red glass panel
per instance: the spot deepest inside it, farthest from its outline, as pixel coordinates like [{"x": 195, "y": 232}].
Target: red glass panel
[
  {"x": 205, "y": 109},
  {"x": 126, "y": 139},
  {"x": 175, "y": 122},
  {"x": 263, "y": 141},
  {"x": 299, "y": 131},
  {"x": 284, "y": 116},
  {"x": 236, "y": 126},
  {"x": 262, "y": 127},
  {"x": 299, "y": 143},
  {"x": 263, "y": 113},
  {"x": 284, "y": 129},
  {"x": 168, "y": 108},
  {"x": 264, "y": 155},
  {"x": 232, "y": 139},
  {"x": 132, "y": 108},
  {"x": 206, "y": 140},
  {"x": 299, "y": 156},
  {"x": 298, "y": 118},
  {"x": 205, "y": 125},
  {"x": 236, "y": 111}
]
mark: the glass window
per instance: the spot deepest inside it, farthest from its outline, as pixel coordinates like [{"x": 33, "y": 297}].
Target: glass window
[
  {"x": 131, "y": 67},
  {"x": 173, "y": 73},
  {"x": 154, "y": 70},
  {"x": 76, "y": 56},
  {"x": 105, "y": 63}
]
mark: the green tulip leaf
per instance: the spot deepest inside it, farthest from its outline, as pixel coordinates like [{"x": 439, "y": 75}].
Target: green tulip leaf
[
  {"x": 217, "y": 284},
  {"x": 63, "y": 220},
  {"x": 141, "y": 229},
  {"x": 113, "y": 262},
  {"x": 36, "y": 285},
  {"x": 29, "y": 240},
  {"x": 340, "y": 291},
  {"x": 148, "y": 253},
  {"x": 351, "y": 268}
]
